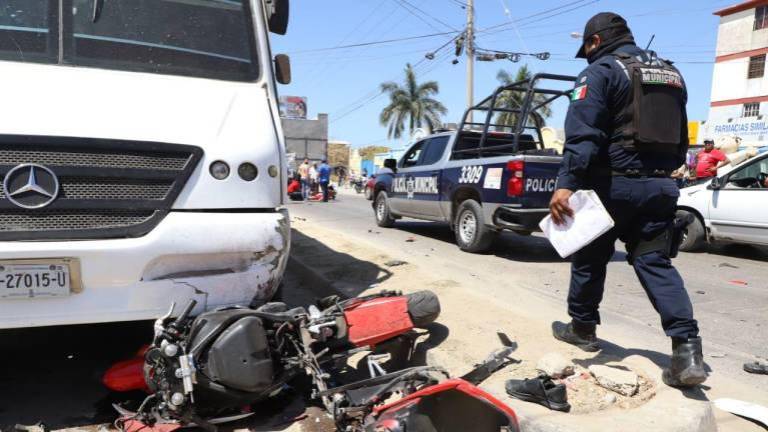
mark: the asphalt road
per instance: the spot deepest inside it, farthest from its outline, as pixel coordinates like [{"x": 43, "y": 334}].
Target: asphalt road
[{"x": 728, "y": 284}]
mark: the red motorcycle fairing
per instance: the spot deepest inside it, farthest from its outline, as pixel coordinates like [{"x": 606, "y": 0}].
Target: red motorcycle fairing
[
  {"x": 453, "y": 405},
  {"x": 127, "y": 375},
  {"x": 374, "y": 321}
]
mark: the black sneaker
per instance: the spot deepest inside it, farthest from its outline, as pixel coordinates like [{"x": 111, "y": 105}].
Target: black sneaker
[
  {"x": 584, "y": 339},
  {"x": 756, "y": 368},
  {"x": 540, "y": 390}
]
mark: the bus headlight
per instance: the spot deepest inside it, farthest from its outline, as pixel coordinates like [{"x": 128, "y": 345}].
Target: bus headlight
[
  {"x": 219, "y": 170},
  {"x": 247, "y": 171}
]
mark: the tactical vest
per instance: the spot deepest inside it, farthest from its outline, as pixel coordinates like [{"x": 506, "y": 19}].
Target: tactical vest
[{"x": 652, "y": 120}]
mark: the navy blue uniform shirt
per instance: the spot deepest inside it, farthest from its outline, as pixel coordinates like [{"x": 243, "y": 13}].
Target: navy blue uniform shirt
[{"x": 592, "y": 122}]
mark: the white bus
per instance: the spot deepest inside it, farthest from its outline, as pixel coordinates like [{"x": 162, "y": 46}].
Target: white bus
[{"x": 141, "y": 156}]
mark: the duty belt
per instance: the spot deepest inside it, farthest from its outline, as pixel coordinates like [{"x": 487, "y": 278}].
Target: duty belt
[{"x": 641, "y": 173}]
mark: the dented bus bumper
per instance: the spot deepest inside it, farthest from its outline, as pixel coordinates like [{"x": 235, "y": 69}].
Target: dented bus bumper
[{"x": 217, "y": 258}]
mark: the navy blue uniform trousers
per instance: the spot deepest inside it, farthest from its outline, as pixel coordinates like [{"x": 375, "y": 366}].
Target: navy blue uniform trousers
[{"x": 641, "y": 208}]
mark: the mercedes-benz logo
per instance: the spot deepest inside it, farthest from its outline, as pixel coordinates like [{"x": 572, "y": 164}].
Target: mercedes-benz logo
[{"x": 31, "y": 186}]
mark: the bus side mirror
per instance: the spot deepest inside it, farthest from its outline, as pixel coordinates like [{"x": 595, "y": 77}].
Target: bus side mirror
[
  {"x": 283, "y": 69},
  {"x": 391, "y": 164},
  {"x": 277, "y": 14}
]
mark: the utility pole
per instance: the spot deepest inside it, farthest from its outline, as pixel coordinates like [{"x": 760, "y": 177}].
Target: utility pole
[{"x": 470, "y": 49}]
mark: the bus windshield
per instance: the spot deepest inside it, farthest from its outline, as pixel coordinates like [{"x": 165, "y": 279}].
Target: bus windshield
[{"x": 201, "y": 38}]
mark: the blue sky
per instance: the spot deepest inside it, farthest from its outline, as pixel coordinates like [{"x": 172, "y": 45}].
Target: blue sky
[{"x": 344, "y": 82}]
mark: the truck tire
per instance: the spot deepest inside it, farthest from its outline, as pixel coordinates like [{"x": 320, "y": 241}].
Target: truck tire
[
  {"x": 694, "y": 236},
  {"x": 423, "y": 307},
  {"x": 381, "y": 211},
  {"x": 368, "y": 193},
  {"x": 472, "y": 235}
]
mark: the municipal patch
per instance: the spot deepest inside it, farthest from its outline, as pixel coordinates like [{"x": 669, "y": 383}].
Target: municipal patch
[
  {"x": 661, "y": 76},
  {"x": 579, "y": 93}
]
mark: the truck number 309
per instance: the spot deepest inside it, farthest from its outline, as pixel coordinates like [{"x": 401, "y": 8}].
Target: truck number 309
[{"x": 470, "y": 174}]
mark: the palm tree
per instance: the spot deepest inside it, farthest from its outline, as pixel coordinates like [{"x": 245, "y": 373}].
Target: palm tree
[
  {"x": 413, "y": 102},
  {"x": 514, "y": 99}
]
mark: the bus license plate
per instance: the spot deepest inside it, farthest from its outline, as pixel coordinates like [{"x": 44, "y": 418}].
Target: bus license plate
[{"x": 34, "y": 280}]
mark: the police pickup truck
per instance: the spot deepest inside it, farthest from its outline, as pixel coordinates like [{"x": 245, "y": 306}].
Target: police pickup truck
[{"x": 483, "y": 177}]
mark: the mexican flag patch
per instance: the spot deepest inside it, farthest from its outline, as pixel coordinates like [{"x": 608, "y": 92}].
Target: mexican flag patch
[{"x": 579, "y": 93}]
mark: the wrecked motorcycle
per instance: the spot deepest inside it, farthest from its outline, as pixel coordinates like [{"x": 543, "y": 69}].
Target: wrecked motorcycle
[
  {"x": 424, "y": 399},
  {"x": 203, "y": 370}
]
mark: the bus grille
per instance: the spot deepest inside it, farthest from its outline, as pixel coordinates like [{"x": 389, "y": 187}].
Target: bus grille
[{"x": 107, "y": 188}]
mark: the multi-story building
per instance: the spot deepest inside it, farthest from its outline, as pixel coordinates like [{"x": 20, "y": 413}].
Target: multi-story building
[{"x": 739, "y": 101}]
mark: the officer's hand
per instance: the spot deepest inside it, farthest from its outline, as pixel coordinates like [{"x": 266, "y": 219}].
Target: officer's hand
[{"x": 559, "y": 207}]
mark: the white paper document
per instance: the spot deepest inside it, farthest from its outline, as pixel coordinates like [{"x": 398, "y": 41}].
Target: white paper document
[{"x": 590, "y": 220}]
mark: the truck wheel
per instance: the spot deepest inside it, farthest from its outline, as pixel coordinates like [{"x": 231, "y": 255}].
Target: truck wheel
[
  {"x": 423, "y": 308},
  {"x": 472, "y": 235},
  {"x": 384, "y": 218},
  {"x": 693, "y": 235}
]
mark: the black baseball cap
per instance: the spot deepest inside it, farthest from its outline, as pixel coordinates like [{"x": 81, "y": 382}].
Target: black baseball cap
[{"x": 599, "y": 23}]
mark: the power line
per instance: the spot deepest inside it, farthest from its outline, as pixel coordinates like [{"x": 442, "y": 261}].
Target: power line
[
  {"x": 517, "y": 21},
  {"x": 407, "y": 38},
  {"x": 429, "y": 15},
  {"x": 370, "y": 97},
  {"x": 402, "y": 4}
]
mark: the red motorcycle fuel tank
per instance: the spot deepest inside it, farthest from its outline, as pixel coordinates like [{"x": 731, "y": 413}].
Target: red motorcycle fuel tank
[{"x": 374, "y": 321}]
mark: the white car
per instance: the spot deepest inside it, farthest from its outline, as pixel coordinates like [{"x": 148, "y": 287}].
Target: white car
[{"x": 732, "y": 207}]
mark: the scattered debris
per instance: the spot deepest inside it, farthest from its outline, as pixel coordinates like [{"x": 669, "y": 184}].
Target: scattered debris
[
  {"x": 609, "y": 398},
  {"x": 748, "y": 410},
  {"x": 555, "y": 365},
  {"x": 701, "y": 292},
  {"x": 395, "y": 263},
  {"x": 37, "y": 427},
  {"x": 300, "y": 218},
  {"x": 728, "y": 265},
  {"x": 374, "y": 232},
  {"x": 718, "y": 355},
  {"x": 739, "y": 282},
  {"x": 410, "y": 240},
  {"x": 623, "y": 382}
]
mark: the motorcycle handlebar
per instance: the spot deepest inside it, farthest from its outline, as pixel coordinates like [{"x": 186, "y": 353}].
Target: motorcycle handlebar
[{"x": 185, "y": 313}]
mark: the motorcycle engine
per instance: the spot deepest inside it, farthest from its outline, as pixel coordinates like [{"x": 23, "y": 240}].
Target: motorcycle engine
[
  {"x": 225, "y": 355},
  {"x": 239, "y": 356}
]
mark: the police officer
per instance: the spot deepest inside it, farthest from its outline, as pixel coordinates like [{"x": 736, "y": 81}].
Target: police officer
[{"x": 626, "y": 131}]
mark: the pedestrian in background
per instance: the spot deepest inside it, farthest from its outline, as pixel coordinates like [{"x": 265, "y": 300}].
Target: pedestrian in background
[
  {"x": 626, "y": 131},
  {"x": 324, "y": 177},
  {"x": 709, "y": 160},
  {"x": 313, "y": 178},
  {"x": 304, "y": 178}
]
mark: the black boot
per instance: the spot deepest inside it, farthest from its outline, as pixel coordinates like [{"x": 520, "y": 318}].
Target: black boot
[
  {"x": 687, "y": 366},
  {"x": 576, "y": 333}
]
